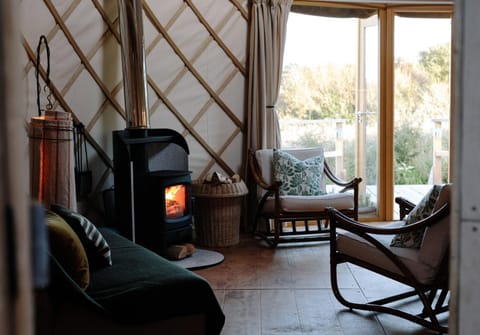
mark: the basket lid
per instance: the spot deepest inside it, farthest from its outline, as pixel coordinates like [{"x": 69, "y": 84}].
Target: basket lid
[{"x": 220, "y": 190}]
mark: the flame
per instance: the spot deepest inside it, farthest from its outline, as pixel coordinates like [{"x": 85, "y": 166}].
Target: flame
[
  {"x": 175, "y": 201},
  {"x": 174, "y": 192}
]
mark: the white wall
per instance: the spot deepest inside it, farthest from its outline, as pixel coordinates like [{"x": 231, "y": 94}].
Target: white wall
[
  {"x": 16, "y": 287},
  {"x": 465, "y": 265},
  {"x": 196, "y": 63}
]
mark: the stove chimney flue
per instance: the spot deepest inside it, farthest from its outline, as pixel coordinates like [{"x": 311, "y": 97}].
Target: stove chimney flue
[{"x": 133, "y": 64}]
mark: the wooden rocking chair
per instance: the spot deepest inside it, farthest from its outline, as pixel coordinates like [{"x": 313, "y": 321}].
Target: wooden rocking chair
[{"x": 425, "y": 270}]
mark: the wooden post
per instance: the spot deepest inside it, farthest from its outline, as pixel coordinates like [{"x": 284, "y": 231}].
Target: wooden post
[
  {"x": 437, "y": 146},
  {"x": 438, "y": 152},
  {"x": 339, "y": 169}
]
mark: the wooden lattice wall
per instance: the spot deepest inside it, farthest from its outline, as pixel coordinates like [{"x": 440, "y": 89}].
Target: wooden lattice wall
[{"x": 196, "y": 68}]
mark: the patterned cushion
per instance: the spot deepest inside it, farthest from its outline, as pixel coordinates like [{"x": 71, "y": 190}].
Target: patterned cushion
[
  {"x": 67, "y": 248},
  {"x": 298, "y": 177},
  {"x": 97, "y": 248},
  {"x": 421, "y": 211}
]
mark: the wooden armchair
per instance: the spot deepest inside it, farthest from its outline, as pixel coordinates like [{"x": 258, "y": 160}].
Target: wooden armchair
[
  {"x": 423, "y": 269},
  {"x": 298, "y": 218}
]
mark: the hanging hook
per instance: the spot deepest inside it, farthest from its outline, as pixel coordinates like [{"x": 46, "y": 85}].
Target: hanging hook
[
  {"x": 47, "y": 90},
  {"x": 43, "y": 39}
]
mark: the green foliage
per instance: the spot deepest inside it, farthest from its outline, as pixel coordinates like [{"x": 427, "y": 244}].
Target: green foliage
[
  {"x": 308, "y": 140},
  {"x": 422, "y": 93},
  {"x": 313, "y": 93},
  {"x": 409, "y": 91},
  {"x": 413, "y": 152},
  {"x": 436, "y": 63},
  {"x": 422, "y": 90}
]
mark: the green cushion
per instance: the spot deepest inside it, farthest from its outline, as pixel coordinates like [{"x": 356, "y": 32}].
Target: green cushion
[
  {"x": 298, "y": 177},
  {"x": 421, "y": 211},
  {"x": 97, "y": 248},
  {"x": 67, "y": 249}
]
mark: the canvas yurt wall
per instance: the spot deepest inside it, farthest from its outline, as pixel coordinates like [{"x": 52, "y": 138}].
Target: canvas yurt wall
[{"x": 196, "y": 69}]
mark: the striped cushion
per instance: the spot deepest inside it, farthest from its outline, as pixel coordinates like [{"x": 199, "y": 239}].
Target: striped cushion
[{"x": 97, "y": 248}]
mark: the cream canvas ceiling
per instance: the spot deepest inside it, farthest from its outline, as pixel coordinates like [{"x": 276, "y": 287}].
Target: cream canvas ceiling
[{"x": 196, "y": 68}]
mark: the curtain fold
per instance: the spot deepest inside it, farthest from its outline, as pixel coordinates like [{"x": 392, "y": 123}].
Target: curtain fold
[{"x": 268, "y": 25}]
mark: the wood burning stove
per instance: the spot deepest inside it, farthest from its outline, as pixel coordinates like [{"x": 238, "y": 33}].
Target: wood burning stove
[
  {"x": 153, "y": 200},
  {"x": 153, "y": 205}
]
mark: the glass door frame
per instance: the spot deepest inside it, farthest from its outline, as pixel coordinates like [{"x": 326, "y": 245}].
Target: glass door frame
[
  {"x": 386, "y": 131},
  {"x": 361, "y": 107},
  {"x": 386, "y": 161}
]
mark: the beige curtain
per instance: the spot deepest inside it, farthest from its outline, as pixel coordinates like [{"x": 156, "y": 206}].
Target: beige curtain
[
  {"x": 267, "y": 40},
  {"x": 268, "y": 24}
]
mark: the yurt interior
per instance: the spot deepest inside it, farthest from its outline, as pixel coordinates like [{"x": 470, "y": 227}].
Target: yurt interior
[{"x": 239, "y": 167}]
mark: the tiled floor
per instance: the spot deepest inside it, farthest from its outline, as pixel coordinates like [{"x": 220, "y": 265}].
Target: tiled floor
[{"x": 286, "y": 290}]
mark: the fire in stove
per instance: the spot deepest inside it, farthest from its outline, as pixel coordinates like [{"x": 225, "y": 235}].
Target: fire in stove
[{"x": 175, "y": 201}]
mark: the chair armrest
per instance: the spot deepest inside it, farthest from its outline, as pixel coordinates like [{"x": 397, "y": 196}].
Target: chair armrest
[
  {"x": 257, "y": 174},
  {"x": 405, "y": 206},
  {"x": 62, "y": 286},
  {"x": 340, "y": 220},
  {"x": 347, "y": 184}
]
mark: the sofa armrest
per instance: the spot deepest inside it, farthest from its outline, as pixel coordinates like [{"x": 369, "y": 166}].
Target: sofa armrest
[{"x": 62, "y": 287}]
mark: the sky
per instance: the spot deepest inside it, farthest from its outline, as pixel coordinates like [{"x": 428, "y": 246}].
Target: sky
[{"x": 311, "y": 40}]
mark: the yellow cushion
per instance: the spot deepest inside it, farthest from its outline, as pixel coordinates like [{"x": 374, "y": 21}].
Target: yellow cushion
[{"x": 66, "y": 247}]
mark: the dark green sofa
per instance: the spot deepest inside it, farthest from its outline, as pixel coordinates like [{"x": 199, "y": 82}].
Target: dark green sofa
[{"x": 141, "y": 293}]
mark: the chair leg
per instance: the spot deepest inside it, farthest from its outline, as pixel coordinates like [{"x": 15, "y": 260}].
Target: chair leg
[
  {"x": 334, "y": 283},
  {"x": 430, "y": 297},
  {"x": 276, "y": 231},
  {"x": 439, "y": 306},
  {"x": 266, "y": 235}
]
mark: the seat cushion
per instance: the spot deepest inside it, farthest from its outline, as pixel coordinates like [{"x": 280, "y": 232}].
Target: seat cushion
[
  {"x": 143, "y": 286},
  {"x": 292, "y": 203},
  {"x": 355, "y": 246}
]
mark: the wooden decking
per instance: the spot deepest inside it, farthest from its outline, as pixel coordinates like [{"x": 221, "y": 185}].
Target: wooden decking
[{"x": 414, "y": 193}]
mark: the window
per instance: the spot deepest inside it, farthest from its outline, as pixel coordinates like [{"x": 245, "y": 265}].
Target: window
[{"x": 375, "y": 95}]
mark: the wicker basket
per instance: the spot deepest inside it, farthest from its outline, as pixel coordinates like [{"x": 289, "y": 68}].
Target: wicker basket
[{"x": 217, "y": 213}]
